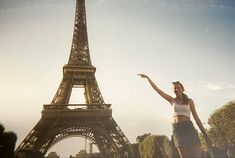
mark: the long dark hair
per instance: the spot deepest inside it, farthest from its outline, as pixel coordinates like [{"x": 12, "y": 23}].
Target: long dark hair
[{"x": 185, "y": 98}]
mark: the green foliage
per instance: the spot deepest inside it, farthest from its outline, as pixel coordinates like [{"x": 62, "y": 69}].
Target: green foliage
[
  {"x": 142, "y": 137},
  {"x": 167, "y": 145},
  {"x": 222, "y": 123},
  {"x": 203, "y": 142},
  {"x": 154, "y": 146}
]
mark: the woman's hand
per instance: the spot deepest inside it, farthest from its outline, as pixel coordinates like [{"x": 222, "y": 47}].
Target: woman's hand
[{"x": 143, "y": 76}]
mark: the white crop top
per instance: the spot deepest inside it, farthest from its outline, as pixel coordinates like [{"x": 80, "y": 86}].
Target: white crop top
[{"x": 181, "y": 109}]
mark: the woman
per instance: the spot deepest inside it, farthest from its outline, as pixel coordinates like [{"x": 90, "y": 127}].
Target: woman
[{"x": 184, "y": 134}]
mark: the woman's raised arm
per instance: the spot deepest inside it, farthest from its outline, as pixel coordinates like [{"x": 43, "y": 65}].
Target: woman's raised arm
[{"x": 159, "y": 91}]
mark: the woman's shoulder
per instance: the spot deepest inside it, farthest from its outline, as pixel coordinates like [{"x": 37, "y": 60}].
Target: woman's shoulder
[
  {"x": 191, "y": 103},
  {"x": 190, "y": 100}
]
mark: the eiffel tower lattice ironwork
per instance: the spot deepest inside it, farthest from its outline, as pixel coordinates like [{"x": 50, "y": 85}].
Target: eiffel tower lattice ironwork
[{"x": 92, "y": 120}]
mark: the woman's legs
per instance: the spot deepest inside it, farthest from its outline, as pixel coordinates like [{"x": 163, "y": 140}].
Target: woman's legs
[
  {"x": 186, "y": 140},
  {"x": 183, "y": 152},
  {"x": 190, "y": 152},
  {"x": 196, "y": 150}
]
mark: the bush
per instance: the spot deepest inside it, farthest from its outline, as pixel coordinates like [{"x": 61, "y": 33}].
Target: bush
[{"x": 154, "y": 147}]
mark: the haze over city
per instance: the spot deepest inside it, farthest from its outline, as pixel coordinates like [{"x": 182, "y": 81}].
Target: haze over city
[{"x": 192, "y": 42}]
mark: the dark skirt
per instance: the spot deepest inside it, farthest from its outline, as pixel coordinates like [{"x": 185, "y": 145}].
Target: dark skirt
[{"x": 184, "y": 134}]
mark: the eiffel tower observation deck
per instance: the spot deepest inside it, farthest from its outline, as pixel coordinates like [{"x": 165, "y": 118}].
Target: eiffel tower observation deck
[{"x": 93, "y": 120}]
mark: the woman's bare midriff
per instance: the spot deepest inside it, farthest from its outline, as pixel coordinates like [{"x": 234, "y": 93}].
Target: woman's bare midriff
[{"x": 180, "y": 118}]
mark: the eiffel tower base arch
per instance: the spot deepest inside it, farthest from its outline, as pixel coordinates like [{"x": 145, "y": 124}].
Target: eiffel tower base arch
[{"x": 60, "y": 122}]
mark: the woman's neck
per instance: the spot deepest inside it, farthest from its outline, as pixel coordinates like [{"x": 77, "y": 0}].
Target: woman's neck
[{"x": 179, "y": 98}]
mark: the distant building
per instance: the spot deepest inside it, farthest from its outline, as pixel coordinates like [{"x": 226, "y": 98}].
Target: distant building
[
  {"x": 53, "y": 155},
  {"x": 81, "y": 154},
  {"x": 84, "y": 154}
]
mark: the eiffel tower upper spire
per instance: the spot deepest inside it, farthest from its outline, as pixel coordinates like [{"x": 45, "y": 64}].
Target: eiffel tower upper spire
[
  {"x": 79, "y": 70},
  {"x": 80, "y": 55}
]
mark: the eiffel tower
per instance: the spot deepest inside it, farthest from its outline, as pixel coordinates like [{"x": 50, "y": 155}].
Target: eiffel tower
[{"x": 92, "y": 120}]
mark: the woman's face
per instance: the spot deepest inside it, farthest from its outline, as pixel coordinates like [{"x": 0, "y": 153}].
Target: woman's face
[{"x": 178, "y": 90}]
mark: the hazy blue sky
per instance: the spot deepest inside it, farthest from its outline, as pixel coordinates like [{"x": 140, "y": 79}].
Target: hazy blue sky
[{"x": 187, "y": 40}]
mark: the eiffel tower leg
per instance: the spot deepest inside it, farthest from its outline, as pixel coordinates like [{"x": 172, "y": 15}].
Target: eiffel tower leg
[
  {"x": 93, "y": 91},
  {"x": 64, "y": 91},
  {"x": 37, "y": 140}
]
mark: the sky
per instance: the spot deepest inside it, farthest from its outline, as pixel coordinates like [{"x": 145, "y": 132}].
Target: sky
[{"x": 191, "y": 41}]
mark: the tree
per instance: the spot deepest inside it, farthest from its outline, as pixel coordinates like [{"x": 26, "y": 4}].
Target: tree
[{"x": 222, "y": 126}]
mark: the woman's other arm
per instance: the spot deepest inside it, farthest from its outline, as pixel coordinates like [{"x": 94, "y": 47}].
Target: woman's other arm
[{"x": 199, "y": 123}]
